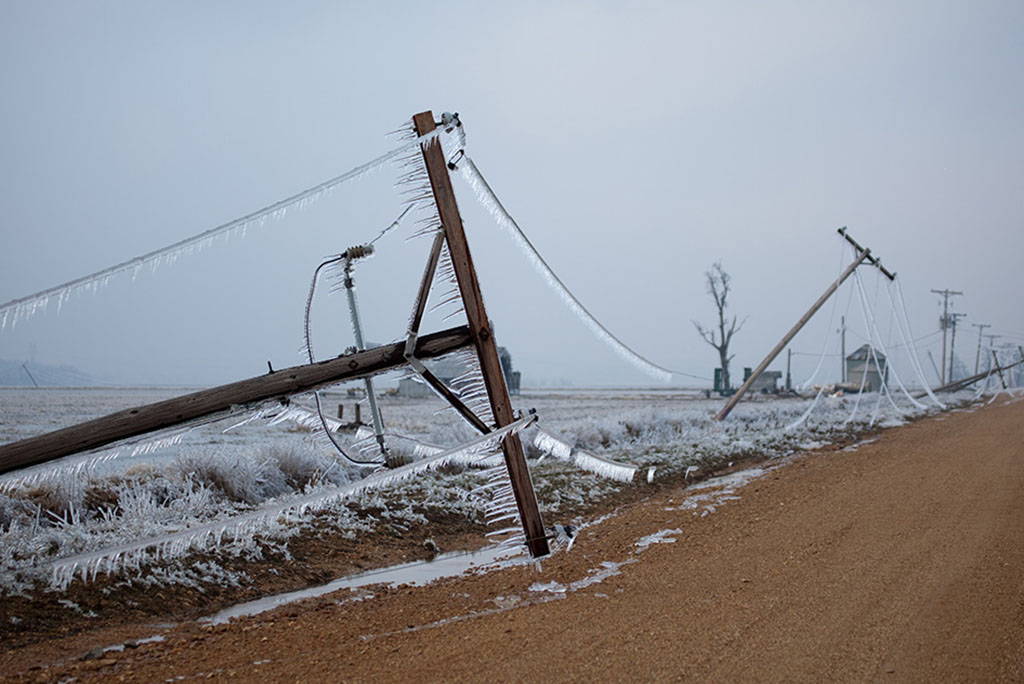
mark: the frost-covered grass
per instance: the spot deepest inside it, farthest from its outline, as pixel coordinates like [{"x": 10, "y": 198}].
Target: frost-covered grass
[{"x": 211, "y": 477}]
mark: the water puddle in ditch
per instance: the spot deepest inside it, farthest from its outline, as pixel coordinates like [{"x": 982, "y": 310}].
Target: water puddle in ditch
[
  {"x": 703, "y": 499},
  {"x": 417, "y": 573}
]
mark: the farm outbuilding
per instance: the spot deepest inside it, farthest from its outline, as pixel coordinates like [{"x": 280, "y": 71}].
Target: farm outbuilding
[{"x": 868, "y": 366}]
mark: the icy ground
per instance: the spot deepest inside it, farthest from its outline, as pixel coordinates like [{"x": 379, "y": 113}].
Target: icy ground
[{"x": 61, "y": 519}]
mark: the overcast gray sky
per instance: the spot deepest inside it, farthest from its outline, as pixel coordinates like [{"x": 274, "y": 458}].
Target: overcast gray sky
[{"x": 635, "y": 143}]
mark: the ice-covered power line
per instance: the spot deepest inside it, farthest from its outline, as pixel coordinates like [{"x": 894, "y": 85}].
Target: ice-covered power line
[
  {"x": 24, "y": 307},
  {"x": 485, "y": 195}
]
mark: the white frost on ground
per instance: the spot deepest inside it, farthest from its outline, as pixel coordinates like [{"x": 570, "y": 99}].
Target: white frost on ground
[{"x": 212, "y": 475}]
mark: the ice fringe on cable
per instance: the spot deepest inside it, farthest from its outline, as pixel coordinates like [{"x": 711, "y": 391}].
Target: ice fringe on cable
[
  {"x": 25, "y": 307},
  {"x": 486, "y": 197},
  {"x": 77, "y": 464},
  {"x": 89, "y": 565},
  {"x": 560, "y": 449},
  {"x": 875, "y": 333}
]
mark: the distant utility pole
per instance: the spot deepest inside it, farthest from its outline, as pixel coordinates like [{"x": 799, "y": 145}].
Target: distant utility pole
[
  {"x": 977, "y": 357},
  {"x": 944, "y": 324},
  {"x": 954, "y": 317},
  {"x": 31, "y": 377}
]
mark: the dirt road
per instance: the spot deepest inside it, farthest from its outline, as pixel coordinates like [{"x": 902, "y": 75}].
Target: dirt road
[{"x": 902, "y": 560}]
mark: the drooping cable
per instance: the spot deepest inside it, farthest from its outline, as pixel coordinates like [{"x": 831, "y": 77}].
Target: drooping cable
[
  {"x": 309, "y": 355},
  {"x": 486, "y": 197},
  {"x": 908, "y": 338},
  {"x": 869, "y": 321}
]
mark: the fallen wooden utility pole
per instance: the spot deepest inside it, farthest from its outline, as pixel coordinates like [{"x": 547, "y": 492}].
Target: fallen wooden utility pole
[
  {"x": 362, "y": 364},
  {"x": 170, "y": 412},
  {"x": 863, "y": 255},
  {"x": 964, "y": 382},
  {"x": 483, "y": 336},
  {"x": 995, "y": 360}
]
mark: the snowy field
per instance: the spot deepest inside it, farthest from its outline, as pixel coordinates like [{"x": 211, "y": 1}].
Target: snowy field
[{"x": 139, "y": 510}]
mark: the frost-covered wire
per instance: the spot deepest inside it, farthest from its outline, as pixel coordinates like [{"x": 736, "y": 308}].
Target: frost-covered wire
[
  {"x": 856, "y": 402},
  {"x": 559, "y": 448},
  {"x": 486, "y": 197},
  {"x": 75, "y": 465},
  {"x": 869, "y": 320},
  {"x": 27, "y": 306},
  {"x": 903, "y": 321}
]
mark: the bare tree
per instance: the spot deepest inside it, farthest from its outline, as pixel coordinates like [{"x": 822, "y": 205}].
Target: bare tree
[{"x": 718, "y": 286}]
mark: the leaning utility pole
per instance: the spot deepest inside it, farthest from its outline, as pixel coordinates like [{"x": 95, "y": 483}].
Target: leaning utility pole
[
  {"x": 944, "y": 324},
  {"x": 1002, "y": 378},
  {"x": 952, "y": 341},
  {"x": 977, "y": 357},
  {"x": 863, "y": 254},
  {"x": 991, "y": 344}
]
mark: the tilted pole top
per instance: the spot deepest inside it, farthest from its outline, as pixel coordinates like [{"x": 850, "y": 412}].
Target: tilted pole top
[{"x": 874, "y": 260}]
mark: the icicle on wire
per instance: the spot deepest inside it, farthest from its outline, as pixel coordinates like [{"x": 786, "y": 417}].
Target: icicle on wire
[
  {"x": 856, "y": 402},
  {"x": 88, "y": 565},
  {"x": 983, "y": 387},
  {"x": 826, "y": 345},
  {"x": 27, "y": 306},
  {"x": 871, "y": 357},
  {"x": 76, "y": 464},
  {"x": 558, "y": 448},
  {"x": 486, "y": 197},
  {"x": 876, "y": 333},
  {"x": 904, "y": 321}
]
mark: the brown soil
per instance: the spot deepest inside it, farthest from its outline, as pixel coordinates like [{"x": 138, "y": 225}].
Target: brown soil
[{"x": 900, "y": 561}]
